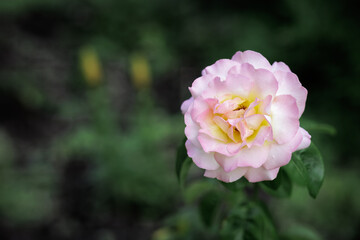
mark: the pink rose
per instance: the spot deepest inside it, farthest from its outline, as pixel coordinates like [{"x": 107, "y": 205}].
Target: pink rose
[{"x": 243, "y": 118}]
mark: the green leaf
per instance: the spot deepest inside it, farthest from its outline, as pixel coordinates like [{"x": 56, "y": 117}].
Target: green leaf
[
  {"x": 307, "y": 168},
  {"x": 262, "y": 226},
  {"x": 197, "y": 189},
  {"x": 230, "y": 230},
  {"x": 280, "y": 187},
  {"x": 181, "y": 156},
  {"x": 235, "y": 186},
  {"x": 314, "y": 166},
  {"x": 274, "y": 184},
  {"x": 185, "y": 167},
  {"x": 249, "y": 221},
  {"x": 296, "y": 170},
  {"x": 183, "y": 163},
  {"x": 208, "y": 206}
]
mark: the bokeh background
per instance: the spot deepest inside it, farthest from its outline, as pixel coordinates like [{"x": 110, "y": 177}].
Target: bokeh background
[{"x": 90, "y": 95}]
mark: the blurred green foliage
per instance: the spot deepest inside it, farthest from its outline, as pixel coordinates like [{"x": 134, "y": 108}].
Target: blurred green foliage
[{"x": 96, "y": 161}]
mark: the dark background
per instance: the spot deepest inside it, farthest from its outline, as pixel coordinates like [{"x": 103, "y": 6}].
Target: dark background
[{"x": 90, "y": 93}]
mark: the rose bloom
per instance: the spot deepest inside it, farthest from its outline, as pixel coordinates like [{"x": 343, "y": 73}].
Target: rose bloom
[{"x": 243, "y": 118}]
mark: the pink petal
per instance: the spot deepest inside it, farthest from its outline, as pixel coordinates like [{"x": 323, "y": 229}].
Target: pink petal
[
  {"x": 200, "y": 105},
  {"x": 265, "y": 105},
  {"x": 191, "y": 130},
  {"x": 265, "y": 83},
  {"x": 221, "y": 123},
  {"x": 245, "y": 131},
  {"x": 201, "y": 159},
  {"x": 262, "y": 135},
  {"x": 233, "y": 134},
  {"x": 209, "y": 144},
  {"x": 220, "y": 68},
  {"x": 251, "y": 109},
  {"x": 233, "y": 85},
  {"x": 186, "y": 104},
  {"x": 280, "y": 66},
  {"x": 255, "y": 120},
  {"x": 261, "y": 174},
  {"x": 225, "y": 107},
  {"x": 306, "y": 139},
  {"x": 209, "y": 127},
  {"x": 239, "y": 84},
  {"x": 226, "y": 176},
  {"x": 284, "y": 118},
  {"x": 236, "y": 114},
  {"x": 280, "y": 154},
  {"x": 214, "y": 88},
  {"x": 235, "y": 147},
  {"x": 229, "y": 105},
  {"x": 289, "y": 84},
  {"x": 246, "y": 157},
  {"x": 253, "y": 58},
  {"x": 200, "y": 84}
]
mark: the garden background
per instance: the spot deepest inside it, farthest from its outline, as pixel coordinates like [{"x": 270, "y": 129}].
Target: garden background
[{"x": 90, "y": 95}]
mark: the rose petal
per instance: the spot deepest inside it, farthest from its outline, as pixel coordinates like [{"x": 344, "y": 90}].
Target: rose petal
[
  {"x": 200, "y": 84},
  {"x": 234, "y": 85},
  {"x": 261, "y": 174},
  {"x": 246, "y": 157},
  {"x": 280, "y": 154},
  {"x": 191, "y": 130},
  {"x": 306, "y": 139},
  {"x": 226, "y": 176},
  {"x": 262, "y": 135},
  {"x": 284, "y": 118},
  {"x": 244, "y": 130},
  {"x": 210, "y": 144},
  {"x": 254, "y": 121},
  {"x": 201, "y": 159},
  {"x": 265, "y": 105},
  {"x": 254, "y": 58},
  {"x": 221, "y": 123},
  {"x": 251, "y": 109},
  {"x": 186, "y": 104},
  {"x": 220, "y": 68},
  {"x": 264, "y": 80},
  {"x": 210, "y": 127},
  {"x": 234, "y": 134},
  {"x": 200, "y": 105},
  {"x": 289, "y": 84},
  {"x": 265, "y": 83},
  {"x": 228, "y": 106},
  {"x": 280, "y": 66},
  {"x": 239, "y": 85},
  {"x": 215, "y": 88}
]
